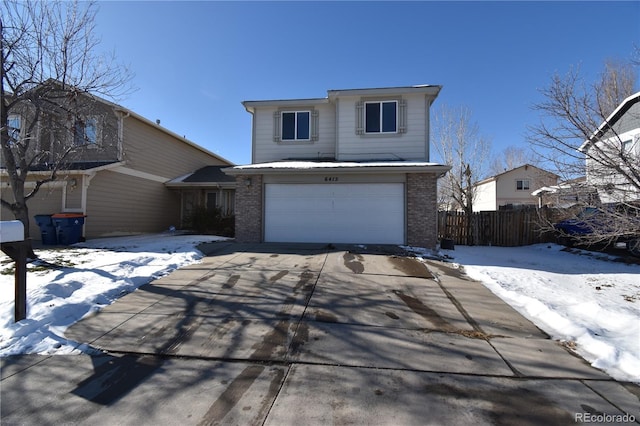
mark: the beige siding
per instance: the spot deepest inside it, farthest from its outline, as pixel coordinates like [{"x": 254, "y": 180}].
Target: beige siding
[
  {"x": 150, "y": 150},
  {"x": 506, "y": 190},
  {"x": 412, "y": 145},
  {"x": 266, "y": 149},
  {"x": 119, "y": 204},
  {"x": 47, "y": 201}
]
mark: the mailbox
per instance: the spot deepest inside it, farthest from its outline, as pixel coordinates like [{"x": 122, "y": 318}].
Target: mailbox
[
  {"x": 11, "y": 231},
  {"x": 13, "y": 244}
]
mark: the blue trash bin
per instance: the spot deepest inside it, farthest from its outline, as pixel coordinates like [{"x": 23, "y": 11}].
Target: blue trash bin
[
  {"x": 68, "y": 227},
  {"x": 48, "y": 231}
]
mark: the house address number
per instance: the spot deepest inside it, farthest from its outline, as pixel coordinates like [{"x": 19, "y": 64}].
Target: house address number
[{"x": 330, "y": 178}]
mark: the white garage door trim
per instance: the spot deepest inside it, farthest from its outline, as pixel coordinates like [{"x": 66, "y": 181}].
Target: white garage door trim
[{"x": 364, "y": 213}]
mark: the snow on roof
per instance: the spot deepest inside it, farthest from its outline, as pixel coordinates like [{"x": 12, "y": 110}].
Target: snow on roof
[{"x": 333, "y": 164}]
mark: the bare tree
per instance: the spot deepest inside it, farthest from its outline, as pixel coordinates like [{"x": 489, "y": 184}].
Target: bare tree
[
  {"x": 459, "y": 144},
  {"x": 578, "y": 135},
  {"x": 512, "y": 157},
  {"x": 50, "y": 66}
]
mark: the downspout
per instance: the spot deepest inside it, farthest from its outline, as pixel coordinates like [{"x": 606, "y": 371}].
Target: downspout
[
  {"x": 123, "y": 115},
  {"x": 86, "y": 179},
  {"x": 253, "y": 133},
  {"x": 427, "y": 148}
]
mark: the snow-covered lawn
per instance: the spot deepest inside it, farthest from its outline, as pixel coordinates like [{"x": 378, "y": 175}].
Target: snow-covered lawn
[
  {"x": 91, "y": 275},
  {"x": 591, "y": 302}
]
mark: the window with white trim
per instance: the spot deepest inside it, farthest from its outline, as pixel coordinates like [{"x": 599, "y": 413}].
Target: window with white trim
[
  {"x": 85, "y": 131},
  {"x": 381, "y": 117},
  {"x": 296, "y": 125},
  {"x": 522, "y": 185}
]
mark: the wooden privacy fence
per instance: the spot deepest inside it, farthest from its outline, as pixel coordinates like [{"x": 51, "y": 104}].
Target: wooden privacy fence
[{"x": 498, "y": 228}]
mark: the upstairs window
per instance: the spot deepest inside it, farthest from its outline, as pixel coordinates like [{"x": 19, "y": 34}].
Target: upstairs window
[
  {"x": 296, "y": 126},
  {"x": 381, "y": 117},
  {"x": 14, "y": 124},
  {"x": 85, "y": 132},
  {"x": 522, "y": 185}
]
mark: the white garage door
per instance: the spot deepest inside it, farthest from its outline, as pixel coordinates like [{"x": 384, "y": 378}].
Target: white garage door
[{"x": 335, "y": 213}]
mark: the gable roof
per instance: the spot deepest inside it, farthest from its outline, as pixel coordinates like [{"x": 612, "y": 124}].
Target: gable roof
[
  {"x": 129, "y": 113},
  {"x": 205, "y": 176},
  {"x": 613, "y": 118},
  {"x": 526, "y": 166}
]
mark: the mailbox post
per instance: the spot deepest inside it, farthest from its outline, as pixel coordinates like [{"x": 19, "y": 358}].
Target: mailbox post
[{"x": 13, "y": 245}]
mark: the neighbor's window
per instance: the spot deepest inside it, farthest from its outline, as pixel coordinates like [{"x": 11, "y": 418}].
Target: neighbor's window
[
  {"x": 626, "y": 146},
  {"x": 14, "y": 124},
  {"x": 296, "y": 126},
  {"x": 522, "y": 185},
  {"x": 85, "y": 131},
  {"x": 381, "y": 117}
]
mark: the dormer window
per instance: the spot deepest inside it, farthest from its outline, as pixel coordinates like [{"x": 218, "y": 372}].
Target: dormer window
[
  {"x": 296, "y": 126},
  {"x": 381, "y": 117}
]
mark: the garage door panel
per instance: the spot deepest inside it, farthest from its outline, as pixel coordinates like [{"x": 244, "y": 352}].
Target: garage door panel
[{"x": 340, "y": 213}]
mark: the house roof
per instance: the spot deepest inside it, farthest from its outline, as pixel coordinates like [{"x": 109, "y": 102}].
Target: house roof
[
  {"x": 495, "y": 177},
  {"x": 205, "y": 176},
  {"x": 611, "y": 120},
  {"x": 81, "y": 167},
  {"x": 129, "y": 113},
  {"x": 310, "y": 167},
  {"x": 427, "y": 89}
]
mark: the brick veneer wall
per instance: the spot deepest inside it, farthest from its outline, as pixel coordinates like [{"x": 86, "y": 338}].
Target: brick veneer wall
[
  {"x": 248, "y": 209},
  {"x": 422, "y": 210}
]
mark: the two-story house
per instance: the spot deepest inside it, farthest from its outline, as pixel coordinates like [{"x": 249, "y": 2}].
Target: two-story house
[
  {"x": 613, "y": 154},
  {"x": 352, "y": 167},
  {"x": 127, "y": 174},
  {"x": 512, "y": 188}
]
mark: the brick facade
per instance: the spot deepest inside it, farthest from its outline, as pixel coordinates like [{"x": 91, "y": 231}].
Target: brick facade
[
  {"x": 248, "y": 209},
  {"x": 422, "y": 210}
]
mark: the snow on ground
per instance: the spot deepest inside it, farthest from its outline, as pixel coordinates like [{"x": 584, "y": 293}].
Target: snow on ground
[
  {"x": 89, "y": 276},
  {"x": 590, "y": 302}
]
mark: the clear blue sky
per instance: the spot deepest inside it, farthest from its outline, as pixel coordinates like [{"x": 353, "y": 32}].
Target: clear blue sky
[{"x": 195, "y": 62}]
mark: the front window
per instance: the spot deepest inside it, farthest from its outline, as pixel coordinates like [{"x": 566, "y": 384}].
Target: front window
[
  {"x": 14, "y": 125},
  {"x": 522, "y": 185},
  {"x": 296, "y": 126},
  {"x": 85, "y": 132},
  {"x": 381, "y": 117}
]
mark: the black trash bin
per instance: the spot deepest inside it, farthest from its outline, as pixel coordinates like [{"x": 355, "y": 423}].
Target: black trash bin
[
  {"x": 48, "y": 231},
  {"x": 68, "y": 227}
]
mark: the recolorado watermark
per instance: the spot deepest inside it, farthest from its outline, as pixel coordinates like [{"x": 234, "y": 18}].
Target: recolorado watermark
[{"x": 604, "y": 418}]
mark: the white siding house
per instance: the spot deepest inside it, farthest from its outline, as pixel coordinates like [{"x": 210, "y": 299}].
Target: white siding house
[
  {"x": 349, "y": 168},
  {"x": 613, "y": 154}
]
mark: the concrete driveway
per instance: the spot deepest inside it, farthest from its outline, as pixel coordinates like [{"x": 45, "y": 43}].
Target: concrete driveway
[{"x": 306, "y": 335}]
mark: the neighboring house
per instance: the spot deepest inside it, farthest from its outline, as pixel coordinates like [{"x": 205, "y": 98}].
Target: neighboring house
[
  {"x": 349, "y": 168},
  {"x": 613, "y": 151},
  {"x": 566, "y": 194},
  {"x": 124, "y": 176},
  {"x": 512, "y": 188}
]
